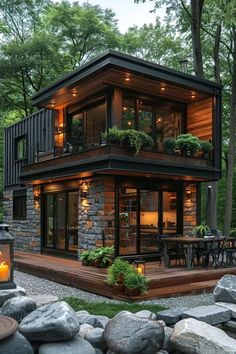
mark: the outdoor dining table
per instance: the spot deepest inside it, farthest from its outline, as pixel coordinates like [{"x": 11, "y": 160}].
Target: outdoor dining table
[{"x": 189, "y": 242}]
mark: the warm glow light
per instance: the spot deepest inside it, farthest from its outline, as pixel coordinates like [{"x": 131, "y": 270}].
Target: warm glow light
[
  {"x": 127, "y": 78},
  {"x": 140, "y": 267},
  {"x": 129, "y": 122},
  {"x": 74, "y": 94},
  {"x": 52, "y": 104},
  {"x": 193, "y": 95},
  {"x": 124, "y": 108},
  {"x": 162, "y": 88},
  {"x": 158, "y": 120},
  {"x": 4, "y": 270}
]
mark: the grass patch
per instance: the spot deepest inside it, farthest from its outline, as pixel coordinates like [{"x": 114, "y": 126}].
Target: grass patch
[{"x": 109, "y": 309}]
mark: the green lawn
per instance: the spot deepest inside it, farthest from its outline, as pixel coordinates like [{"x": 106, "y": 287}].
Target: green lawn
[{"x": 109, "y": 309}]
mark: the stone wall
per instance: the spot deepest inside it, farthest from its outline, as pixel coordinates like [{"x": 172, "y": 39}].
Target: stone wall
[
  {"x": 26, "y": 232},
  {"x": 96, "y": 224},
  {"x": 190, "y": 208}
]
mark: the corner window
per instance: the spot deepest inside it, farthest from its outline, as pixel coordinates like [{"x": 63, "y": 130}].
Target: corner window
[
  {"x": 20, "y": 148},
  {"x": 19, "y": 204}
]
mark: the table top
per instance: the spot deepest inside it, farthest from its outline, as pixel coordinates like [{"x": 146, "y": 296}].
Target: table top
[{"x": 191, "y": 239}]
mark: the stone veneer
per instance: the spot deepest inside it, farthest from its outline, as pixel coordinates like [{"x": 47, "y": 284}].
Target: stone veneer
[
  {"x": 190, "y": 208},
  {"x": 96, "y": 224},
  {"x": 26, "y": 231}
]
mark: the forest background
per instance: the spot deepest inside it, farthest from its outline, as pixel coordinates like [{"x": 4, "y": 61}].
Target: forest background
[{"x": 41, "y": 40}]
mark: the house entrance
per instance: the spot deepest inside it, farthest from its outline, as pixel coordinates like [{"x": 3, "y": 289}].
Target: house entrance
[
  {"x": 143, "y": 214},
  {"x": 61, "y": 221}
]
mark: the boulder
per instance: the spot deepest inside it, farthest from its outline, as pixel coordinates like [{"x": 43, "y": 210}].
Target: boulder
[
  {"x": 95, "y": 338},
  {"x": 84, "y": 329},
  {"x": 50, "y": 323},
  {"x": 89, "y": 319},
  {"x": 73, "y": 346},
  {"x": 15, "y": 344},
  {"x": 196, "y": 337},
  {"x": 6, "y": 294},
  {"x": 225, "y": 290},
  {"x": 127, "y": 333},
  {"x": 42, "y": 300},
  {"x": 102, "y": 319},
  {"x": 167, "y": 343},
  {"x": 146, "y": 314},
  {"x": 18, "y": 307},
  {"x": 231, "y": 325},
  {"x": 229, "y": 306},
  {"x": 98, "y": 351},
  {"x": 211, "y": 314},
  {"x": 172, "y": 315}
]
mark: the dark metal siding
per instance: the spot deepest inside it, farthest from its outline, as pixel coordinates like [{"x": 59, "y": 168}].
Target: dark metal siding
[{"x": 39, "y": 131}]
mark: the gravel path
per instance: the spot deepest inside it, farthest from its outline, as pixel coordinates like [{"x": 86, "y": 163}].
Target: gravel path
[{"x": 35, "y": 286}]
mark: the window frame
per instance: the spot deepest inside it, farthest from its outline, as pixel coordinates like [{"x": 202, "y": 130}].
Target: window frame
[
  {"x": 18, "y": 139},
  {"x": 19, "y": 204}
]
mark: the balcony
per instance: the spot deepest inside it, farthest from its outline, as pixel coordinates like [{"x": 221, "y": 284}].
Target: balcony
[{"x": 113, "y": 159}]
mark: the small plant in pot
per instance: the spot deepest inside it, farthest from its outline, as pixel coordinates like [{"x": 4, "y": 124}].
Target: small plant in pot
[
  {"x": 84, "y": 258},
  {"x": 146, "y": 141},
  {"x": 112, "y": 135},
  {"x": 135, "y": 284},
  {"x": 169, "y": 145},
  {"x": 206, "y": 148},
  {"x": 201, "y": 230},
  {"x": 187, "y": 144},
  {"x": 117, "y": 272}
]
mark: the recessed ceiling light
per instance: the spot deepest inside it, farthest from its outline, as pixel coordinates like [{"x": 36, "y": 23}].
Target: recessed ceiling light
[
  {"x": 193, "y": 95},
  {"x": 163, "y": 88},
  {"x": 127, "y": 78},
  {"x": 74, "y": 94},
  {"x": 52, "y": 104}
]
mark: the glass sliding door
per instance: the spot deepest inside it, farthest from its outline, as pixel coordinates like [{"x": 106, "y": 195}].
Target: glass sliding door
[
  {"x": 169, "y": 213},
  {"x": 61, "y": 221},
  {"x": 149, "y": 212},
  {"x": 128, "y": 221}
]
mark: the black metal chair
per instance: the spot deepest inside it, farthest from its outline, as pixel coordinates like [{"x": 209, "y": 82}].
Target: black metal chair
[{"x": 174, "y": 251}]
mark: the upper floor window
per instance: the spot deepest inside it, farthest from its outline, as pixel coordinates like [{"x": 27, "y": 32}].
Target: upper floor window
[
  {"x": 19, "y": 204},
  {"x": 20, "y": 148}
]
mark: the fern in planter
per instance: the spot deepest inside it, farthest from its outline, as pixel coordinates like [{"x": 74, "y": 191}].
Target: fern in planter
[
  {"x": 201, "y": 230},
  {"x": 98, "y": 257},
  {"x": 136, "y": 140},
  {"x": 117, "y": 272},
  {"x": 206, "y": 148},
  {"x": 135, "y": 284},
  {"x": 112, "y": 135},
  {"x": 187, "y": 144},
  {"x": 169, "y": 145}
]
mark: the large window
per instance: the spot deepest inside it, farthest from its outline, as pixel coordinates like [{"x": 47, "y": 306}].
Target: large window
[
  {"x": 19, "y": 204},
  {"x": 86, "y": 126},
  {"x": 158, "y": 119},
  {"x": 20, "y": 148}
]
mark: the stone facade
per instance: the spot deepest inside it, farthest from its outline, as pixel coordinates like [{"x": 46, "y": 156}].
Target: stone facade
[
  {"x": 190, "y": 208},
  {"x": 27, "y": 232},
  {"x": 96, "y": 224}
]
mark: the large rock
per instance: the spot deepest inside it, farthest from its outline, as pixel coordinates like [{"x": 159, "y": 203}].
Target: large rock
[
  {"x": 6, "y": 294},
  {"x": 84, "y": 329},
  {"x": 195, "y": 337},
  {"x": 42, "y": 300},
  {"x": 15, "y": 344},
  {"x": 172, "y": 315},
  {"x": 18, "y": 307},
  {"x": 74, "y": 346},
  {"x": 167, "y": 343},
  {"x": 129, "y": 334},
  {"x": 146, "y": 314},
  {"x": 211, "y": 314},
  {"x": 50, "y": 323},
  {"x": 229, "y": 306},
  {"x": 89, "y": 319},
  {"x": 225, "y": 290},
  {"x": 95, "y": 338}
]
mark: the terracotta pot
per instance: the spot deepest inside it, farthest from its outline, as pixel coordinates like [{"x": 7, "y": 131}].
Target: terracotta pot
[
  {"x": 132, "y": 291},
  {"x": 118, "y": 288}
]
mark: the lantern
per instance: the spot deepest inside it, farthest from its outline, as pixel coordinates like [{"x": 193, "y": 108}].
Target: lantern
[
  {"x": 6, "y": 258},
  {"x": 139, "y": 265}
]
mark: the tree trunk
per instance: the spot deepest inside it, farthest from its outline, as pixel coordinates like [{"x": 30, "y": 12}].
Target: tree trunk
[
  {"x": 196, "y": 12},
  {"x": 231, "y": 152}
]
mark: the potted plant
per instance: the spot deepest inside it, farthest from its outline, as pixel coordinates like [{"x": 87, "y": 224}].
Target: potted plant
[
  {"x": 117, "y": 272},
  {"x": 99, "y": 257},
  {"x": 169, "y": 145},
  {"x": 187, "y": 144},
  {"x": 136, "y": 140},
  {"x": 84, "y": 257},
  {"x": 112, "y": 135},
  {"x": 201, "y": 230},
  {"x": 206, "y": 148},
  {"x": 147, "y": 142},
  {"x": 135, "y": 284}
]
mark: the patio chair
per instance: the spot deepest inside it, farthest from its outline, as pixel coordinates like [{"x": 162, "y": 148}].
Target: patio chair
[{"x": 175, "y": 251}]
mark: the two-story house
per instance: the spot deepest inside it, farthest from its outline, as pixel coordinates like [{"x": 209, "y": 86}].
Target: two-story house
[{"x": 66, "y": 191}]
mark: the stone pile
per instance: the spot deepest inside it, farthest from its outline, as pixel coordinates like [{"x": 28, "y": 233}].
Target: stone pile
[{"x": 56, "y": 328}]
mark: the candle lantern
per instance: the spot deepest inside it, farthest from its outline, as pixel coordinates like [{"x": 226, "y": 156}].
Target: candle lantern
[
  {"x": 139, "y": 265},
  {"x": 6, "y": 258}
]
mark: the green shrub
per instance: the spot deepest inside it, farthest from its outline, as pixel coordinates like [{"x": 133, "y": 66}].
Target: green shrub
[
  {"x": 118, "y": 271},
  {"x": 206, "y": 146},
  {"x": 169, "y": 144},
  {"x": 136, "y": 140},
  {"x": 112, "y": 135},
  {"x": 201, "y": 230},
  {"x": 136, "y": 281},
  {"x": 188, "y": 144},
  {"x": 232, "y": 233},
  {"x": 101, "y": 256}
]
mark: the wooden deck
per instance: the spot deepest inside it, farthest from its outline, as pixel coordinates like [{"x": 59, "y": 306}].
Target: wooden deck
[{"x": 164, "y": 282}]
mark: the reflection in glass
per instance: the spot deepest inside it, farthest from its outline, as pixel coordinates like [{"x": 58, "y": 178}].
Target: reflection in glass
[
  {"x": 95, "y": 124},
  {"x": 145, "y": 114},
  {"x": 169, "y": 213},
  {"x": 49, "y": 220},
  {"x": 148, "y": 221},
  {"x": 128, "y": 113},
  {"x": 168, "y": 123},
  {"x": 128, "y": 221},
  {"x": 72, "y": 226},
  {"x": 60, "y": 220},
  {"x": 76, "y": 138}
]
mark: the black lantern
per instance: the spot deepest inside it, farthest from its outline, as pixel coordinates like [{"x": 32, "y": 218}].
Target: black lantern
[
  {"x": 139, "y": 265},
  {"x": 6, "y": 258}
]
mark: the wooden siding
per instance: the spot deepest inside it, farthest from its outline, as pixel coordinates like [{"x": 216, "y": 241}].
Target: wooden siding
[
  {"x": 38, "y": 129},
  {"x": 200, "y": 117}
]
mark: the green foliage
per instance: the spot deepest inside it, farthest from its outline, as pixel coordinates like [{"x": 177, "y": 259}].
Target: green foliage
[
  {"x": 169, "y": 144},
  {"x": 201, "y": 230},
  {"x": 102, "y": 256},
  {"x": 119, "y": 269},
  {"x": 109, "y": 309},
  {"x": 187, "y": 143},
  {"x": 136, "y": 281},
  {"x": 136, "y": 140},
  {"x": 206, "y": 146},
  {"x": 113, "y": 135},
  {"x": 232, "y": 233}
]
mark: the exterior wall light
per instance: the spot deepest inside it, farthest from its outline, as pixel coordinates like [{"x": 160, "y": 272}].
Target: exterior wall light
[
  {"x": 37, "y": 193},
  {"x": 84, "y": 191}
]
